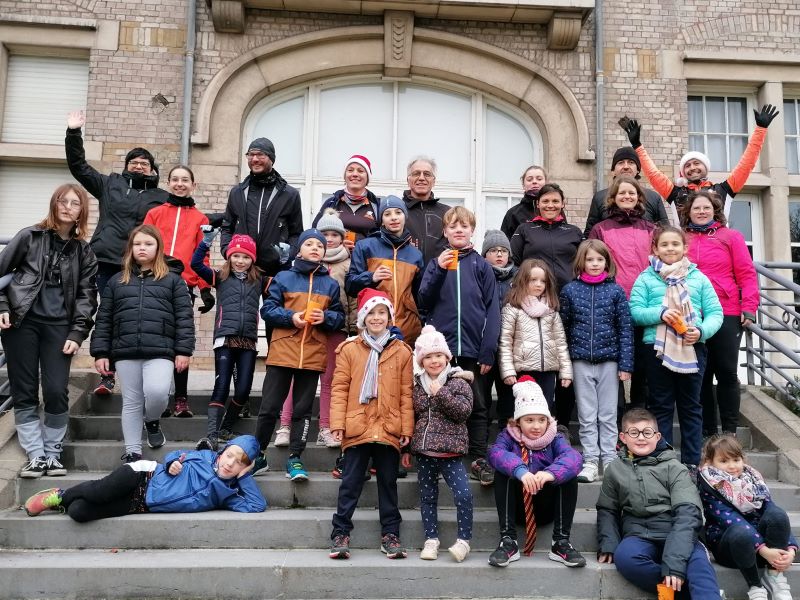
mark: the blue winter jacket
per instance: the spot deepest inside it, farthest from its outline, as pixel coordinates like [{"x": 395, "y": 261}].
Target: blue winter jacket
[
  {"x": 597, "y": 322},
  {"x": 463, "y": 305},
  {"x": 198, "y": 488}
]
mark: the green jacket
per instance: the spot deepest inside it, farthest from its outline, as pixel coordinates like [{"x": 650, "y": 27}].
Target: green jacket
[{"x": 654, "y": 498}]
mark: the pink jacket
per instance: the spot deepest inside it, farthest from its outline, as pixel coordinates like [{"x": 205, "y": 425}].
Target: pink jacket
[
  {"x": 630, "y": 241},
  {"x": 721, "y": 255}
]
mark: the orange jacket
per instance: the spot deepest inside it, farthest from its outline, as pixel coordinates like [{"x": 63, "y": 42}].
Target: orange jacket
[{"x": 180, "y": 228}]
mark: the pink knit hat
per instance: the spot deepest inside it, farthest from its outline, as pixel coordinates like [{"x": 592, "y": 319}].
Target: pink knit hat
[
  {"x": 430, "y": 341},
  {"x": 241, "y": 243}
]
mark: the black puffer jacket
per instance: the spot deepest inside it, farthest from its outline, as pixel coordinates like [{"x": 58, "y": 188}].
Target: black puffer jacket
[
  {"x": 555, "y": 243},
  {"x": 517, "y": 215},
  {"x": 144, "y": 318},
  {"x": 26, "y": 255},
  {"x": 425, "y": 222},
  {"x": 124, "y": 200}
]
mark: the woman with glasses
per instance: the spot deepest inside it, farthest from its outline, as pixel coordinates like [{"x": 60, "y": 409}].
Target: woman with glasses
[{"x": 46, "y": 312}]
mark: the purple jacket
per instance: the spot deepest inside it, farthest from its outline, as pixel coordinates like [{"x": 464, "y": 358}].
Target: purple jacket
[
  {"x": 441, "y": 420},
  {"x": 558, "y": 458}
]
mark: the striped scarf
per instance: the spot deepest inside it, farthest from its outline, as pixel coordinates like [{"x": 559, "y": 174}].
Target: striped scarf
[
  {"x": 369, "y": 387},
  {"x": 674, "y": 354}
]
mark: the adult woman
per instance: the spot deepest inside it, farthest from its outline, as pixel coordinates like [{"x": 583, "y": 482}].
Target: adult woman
[
  {"x": 45, "y": 314},
  {"x": 356, "y": 205},
  {"x": 532, "y": 179},
  {"x": 721, "y": 255}
]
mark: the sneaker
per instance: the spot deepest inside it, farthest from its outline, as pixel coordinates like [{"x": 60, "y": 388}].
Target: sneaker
[
  {"x": 34, "y": 469},
  {"x": 54, "y": 467},
  {"x": 260, "y": 464},
  {"x": 325, "y": 438},
  {"x": 430, "y": 551},
  {"x": 340, "y": 547},
  {"x": 225, "y": 435},
  {"x": 391, "y": 546},
  {"x": 155, "y": 437},
  {"x": 295, "y": 470},
  {"x": 42, "y": 501},
  {"x": 564, "y": 430},
  {"x": 757, "y": 593},
  {"x": 336, "y": 472},
  {"x": 401, "y": 473},
  {"x": 106, "y": 385},
  {"x": 182, "y": 408},
  {"x": 507, "y": 552},
  {"x": 588, "y": 473},
  {"x": 776, "y": 585},
  {"x": 282, "y": 437},
  {"x": 206, "y": 444},
  {"x": 460, "y": 550},
  {"x": 130, "y": 457},
  {"x": 167, "y": 413},
  {"x": 245, "y": 412},
  {"x": 562, "y": 551},
  {"x": 481, "y": 471}
]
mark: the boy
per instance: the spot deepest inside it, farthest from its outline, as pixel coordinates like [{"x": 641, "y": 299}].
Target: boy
[
  {"x": 459, "y": 295},
  {"x": 373, "y": 418},
  {"x": 649, "y": 514}
]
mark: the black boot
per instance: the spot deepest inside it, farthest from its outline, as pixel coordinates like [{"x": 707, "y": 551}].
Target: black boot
[{"x": 229, "y": 421}]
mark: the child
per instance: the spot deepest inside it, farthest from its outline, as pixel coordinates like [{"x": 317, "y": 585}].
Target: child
[
  {"x": 387, "y": 260},
  {"x": 239, "y": 285},
  {"x": 532, "y": 179},
  {"x": 649, "y": 514},
  {"x": 442, "y": 404},
  {"x": 178, "y": 220},
  {"x": 188, "y": 481},
  {"x": 372, "y": 415},
  {"x": 597, "y": 323},
  {"x": 302, "y": 307},
  {"x": 744, "y": 527},
  {"x": 535, "y": 471},
  {"x": 679, "y": 310},
  {"x": 459, "y": 294},
  {"x": 144, "y": 331},
  {"x": 532, "y": 339}
]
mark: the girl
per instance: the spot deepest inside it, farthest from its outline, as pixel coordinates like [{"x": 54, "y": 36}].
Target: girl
[
  {"x": 744, "y": 527},
  {"x": 679, "y": 310},
  {"x": 597, "y": 323},
  {"x": 178, "y": 220},
  {"x": 239, "y": 285},
  {"x": 45, "y": 314},
  {"x": 188, "y": 481},
  {"x": 532, "y": 180},
  {"x": 144, "y": 331},
  {"x": 532, "y": 460},
  {"x": 442, "y": 404},
  {"x": 532, "y": 340}
]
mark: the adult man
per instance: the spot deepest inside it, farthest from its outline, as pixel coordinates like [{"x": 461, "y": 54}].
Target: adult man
[
  {"x": 266, "y": 208},
  {"x": 123, "y": 198},
  {"x": 425, "y": 212},
  {"x": 626, "y": 162}
]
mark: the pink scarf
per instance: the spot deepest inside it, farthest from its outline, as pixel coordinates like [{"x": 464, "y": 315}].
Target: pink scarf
[
  {"x": 539, "y": 443},
  {"x": 535, "y": 307},
  {"x": 586, "y": 278}
]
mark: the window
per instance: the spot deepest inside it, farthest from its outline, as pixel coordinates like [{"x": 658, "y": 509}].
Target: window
[
  {"x": 26, "y": 192},
  {"x": 794, "y": 232},
  {"x": 791, "y": 125},
  {"x": 718, "y": 127}
]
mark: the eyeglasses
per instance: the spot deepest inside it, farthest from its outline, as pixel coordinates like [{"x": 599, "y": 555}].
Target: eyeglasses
[
  {"x": 647, "y": 432},
  {"x": 69, "y": 203},
  {"x": 139, "y": 163},
  {"x": 497, "y": 251},
  {"x": 424, "y": 174},
  {"x": 255, "y": 154}
]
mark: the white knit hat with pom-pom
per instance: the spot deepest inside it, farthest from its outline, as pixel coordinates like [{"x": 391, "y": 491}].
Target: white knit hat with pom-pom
[
  {"x": 430, "y": 341},
  {"x": 529, "y": 399}
]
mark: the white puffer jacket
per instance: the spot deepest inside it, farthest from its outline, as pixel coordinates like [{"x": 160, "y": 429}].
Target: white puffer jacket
[{"x": 532, "y": 344}]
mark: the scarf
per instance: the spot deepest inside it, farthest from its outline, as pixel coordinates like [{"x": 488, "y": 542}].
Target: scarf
[
  {"x": 369, "y": 387},
  {"x": 425, "y": 380},
  {"x": 535, "y": 307},
  {"x": 180, "y": 200},
  {"x": 502, "y": 273},
  {"x": 355, "y": 200},
  {"x": 396, "y": 240},
  {"x": 745, "y": 493},
  {"x": 712, "y": 224},
  {"x": 462, "y": 252},
  {"x": 625, "y": 216},
  {"x": 593, "y": 279},
  {"x": 534, "y": 444},
  {"x": 267, "y": 180},
  {"x": 336, "y": 255},
  {"x": 674, "y": 354}
]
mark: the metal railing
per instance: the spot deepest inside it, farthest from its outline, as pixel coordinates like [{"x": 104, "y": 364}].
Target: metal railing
[{"x": 772, "y": 343}]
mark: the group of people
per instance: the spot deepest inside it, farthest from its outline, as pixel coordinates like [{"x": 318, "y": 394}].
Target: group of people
[{"x": 550, "y": 316}]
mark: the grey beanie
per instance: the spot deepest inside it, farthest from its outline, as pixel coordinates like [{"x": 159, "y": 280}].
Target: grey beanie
[
  {"x": 330, "y": 221},
  {"x": 263, "y": 145},
  {"x": 494, "y": 238}
]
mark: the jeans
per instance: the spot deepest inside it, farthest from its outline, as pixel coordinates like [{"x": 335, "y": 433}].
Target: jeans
[
  {"x": 596, "y": 386},
  {"x": 145, "y": 391},
  {"x": 455, "y": 476},
  {"x": 277, "y": 381},
  {"x": 723, "y": 362}
]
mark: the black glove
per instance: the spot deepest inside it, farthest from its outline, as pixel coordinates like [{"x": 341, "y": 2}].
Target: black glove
[
  {"x": 633, "y": 129},
  {"x": 765, "y": 116},
  {"x": 208, "y": 301}
]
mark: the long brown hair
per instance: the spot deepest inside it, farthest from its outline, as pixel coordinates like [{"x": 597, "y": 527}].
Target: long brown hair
[
  {"x": 253, "y": 273},
  {"x": 519, "y": 289},
  {"x": 579, "y": 264},
  {"x": 82, "y": 224},
  {"x": 613, "y": 190},
  {"x": 159, "y": 269},
  {"x": 716, "y": 204}
]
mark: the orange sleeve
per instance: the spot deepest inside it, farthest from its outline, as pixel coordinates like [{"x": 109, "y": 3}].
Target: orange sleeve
[
  {"x": 742, "y": 170},
  {"x": 659, "y": 182}
]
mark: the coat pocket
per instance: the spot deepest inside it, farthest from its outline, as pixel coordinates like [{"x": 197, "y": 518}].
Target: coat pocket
[
  {"x": 355, "y": 422},
  {"x": 391, "y": 421}
]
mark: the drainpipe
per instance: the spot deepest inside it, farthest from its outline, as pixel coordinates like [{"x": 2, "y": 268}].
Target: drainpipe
[
  {"x": 599, "y": 79},
  {"x": 188, "y": 80}
]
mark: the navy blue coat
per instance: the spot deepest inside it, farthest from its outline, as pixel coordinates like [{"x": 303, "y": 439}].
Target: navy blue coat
[{"x": 597, "y": 322}]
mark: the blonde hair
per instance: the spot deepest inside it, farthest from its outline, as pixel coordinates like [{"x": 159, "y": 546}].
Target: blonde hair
[
  {"x": 159, "y": 269},
  {"x": 519, "y": 288},
  {"x": 459, "y": 214},
  {"x": 81, "y": 225}
]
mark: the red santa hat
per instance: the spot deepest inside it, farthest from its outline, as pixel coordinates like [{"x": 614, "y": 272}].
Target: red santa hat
[
  {"x": 368, "y": 299},
  {"x": 362, "y": 160}
]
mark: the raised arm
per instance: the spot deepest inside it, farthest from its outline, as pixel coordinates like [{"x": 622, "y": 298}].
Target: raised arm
[{"x": 82, "y": 171}]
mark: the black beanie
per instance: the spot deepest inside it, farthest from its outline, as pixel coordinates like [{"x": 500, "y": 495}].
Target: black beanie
[
  {"x": 263, "y": 145},
  {"x": 623, "y": 153},
  {"x": 141, "y": 153}
]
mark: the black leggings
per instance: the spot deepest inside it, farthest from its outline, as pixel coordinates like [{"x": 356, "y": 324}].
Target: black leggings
[
  {"x": 226, "y": 360},
  {"x": 722, "y": 362},
  {"x": 110, "y": 496}
]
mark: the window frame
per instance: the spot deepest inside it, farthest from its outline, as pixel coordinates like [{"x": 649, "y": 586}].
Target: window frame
[
  {"x": 725, "y": 94},
  {"x": 793, "y": 136}
]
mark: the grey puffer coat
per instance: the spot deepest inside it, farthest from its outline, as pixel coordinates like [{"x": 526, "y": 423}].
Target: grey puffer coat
[
  {"x": 532, "y": 344},
  {"x": 441, "y": 419}
]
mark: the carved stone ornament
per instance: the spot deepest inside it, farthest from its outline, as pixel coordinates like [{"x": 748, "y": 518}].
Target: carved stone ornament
[
  {"x": 228, "y": 16},
  {"x": 564, "y": 31},
  {"x": 398, "y": 37}
]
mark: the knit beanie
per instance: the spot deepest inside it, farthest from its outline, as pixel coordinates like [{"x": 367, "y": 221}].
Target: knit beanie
[
  {"x": 529, "y": 399},
  {"x": 312, "y": 233},
  {"x": 626, "y": 152},
  {"x": 241, "y": 243},
  {"x": 368, "y": 299},
  {"x": 263, "y": 145},
  {"x": 430, "y": 341},
  {"x": 330, "y": 221},
  {"x": 141, "y": 153},
  {"x": 693, "y": 156},
  {"x": 495, "y": 238},
  {"x": 391, "y": 202},
  {"x": 362, "y": 160}
]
